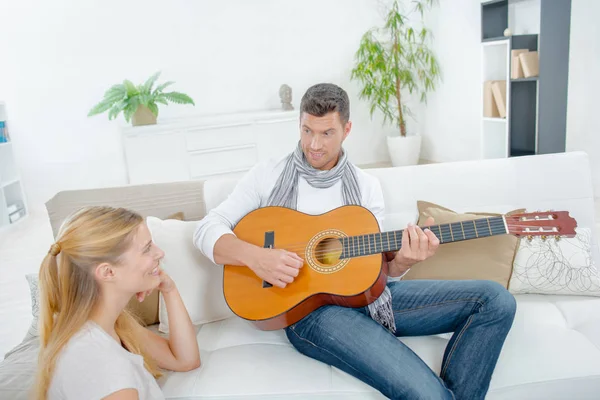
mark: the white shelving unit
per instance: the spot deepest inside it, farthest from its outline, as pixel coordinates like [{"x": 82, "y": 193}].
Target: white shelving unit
[
  {"x": 12, "y": 198},
  {"x": 536, "y": 106},
  {"x": 495, "y": 65}
]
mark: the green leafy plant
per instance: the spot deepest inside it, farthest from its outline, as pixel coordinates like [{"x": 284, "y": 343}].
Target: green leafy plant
[
  {"x": 127, "y": 97},
  {"x": 396, "y": 58}
]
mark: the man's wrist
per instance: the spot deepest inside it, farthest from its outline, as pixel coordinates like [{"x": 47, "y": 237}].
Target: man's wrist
[{"x": 396, "y": 270}]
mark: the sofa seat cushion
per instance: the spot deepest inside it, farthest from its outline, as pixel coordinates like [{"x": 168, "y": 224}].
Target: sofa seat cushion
[{"x": 553, "y": 349}]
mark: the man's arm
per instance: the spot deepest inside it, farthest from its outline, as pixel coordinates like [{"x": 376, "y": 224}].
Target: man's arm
[
  {"x": 220, "y": 220},
  {"x": 417, "y": 244},
  {"x": 215, "y": 239}
]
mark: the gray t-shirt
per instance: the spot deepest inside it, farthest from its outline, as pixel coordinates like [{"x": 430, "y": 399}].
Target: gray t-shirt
[{"x": 93, "y": 365}]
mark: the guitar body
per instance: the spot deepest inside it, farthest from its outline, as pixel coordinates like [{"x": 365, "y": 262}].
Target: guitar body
[{"x": 324, "y": 279}]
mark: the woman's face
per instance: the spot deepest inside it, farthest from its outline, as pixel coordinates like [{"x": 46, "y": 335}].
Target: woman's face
[{"x": 139, "y": 267}]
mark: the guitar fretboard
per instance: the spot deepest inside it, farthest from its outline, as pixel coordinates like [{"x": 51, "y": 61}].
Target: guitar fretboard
[{"x": 364, "y": 245}]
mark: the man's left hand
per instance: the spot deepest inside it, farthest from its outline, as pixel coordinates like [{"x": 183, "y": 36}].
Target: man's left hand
[{"x": 417, "y": 245}]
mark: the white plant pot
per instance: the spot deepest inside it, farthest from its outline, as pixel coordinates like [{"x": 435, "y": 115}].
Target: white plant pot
[{"x": 404, "y": 150}]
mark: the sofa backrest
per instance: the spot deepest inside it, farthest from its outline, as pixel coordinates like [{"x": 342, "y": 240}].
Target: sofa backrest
[{"x": 158, "y": 199}]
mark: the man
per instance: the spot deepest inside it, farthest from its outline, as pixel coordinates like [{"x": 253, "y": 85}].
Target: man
[{"x": 316, "y": 178}]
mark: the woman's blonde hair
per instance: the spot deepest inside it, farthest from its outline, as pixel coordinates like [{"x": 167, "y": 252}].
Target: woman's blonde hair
[{"x": 68, "y": 290}]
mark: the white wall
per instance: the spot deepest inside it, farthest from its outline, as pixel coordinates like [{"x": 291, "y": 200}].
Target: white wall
[
  {"x": 450, "y": 122},
  {"x": 583, "y": 126},
  {"x": 59, "y": 57}
]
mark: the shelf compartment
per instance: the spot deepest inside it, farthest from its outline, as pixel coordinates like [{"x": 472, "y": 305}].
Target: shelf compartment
[
  {"x": 13, "y": 196},
  {"x": 8, "y": 171},
  {"x": 494, "y": 18},
  {"x": 494, "y": 140},
  {"x": 523, "y": 106}
]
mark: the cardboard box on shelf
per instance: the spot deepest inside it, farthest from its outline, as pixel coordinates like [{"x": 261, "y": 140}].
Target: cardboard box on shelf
[
  {"x": 530, "y": 64},
  {"x": 499, "y": 91},
  {"x": 490, "y": 109},
  {"x": 516, "y": 71}
]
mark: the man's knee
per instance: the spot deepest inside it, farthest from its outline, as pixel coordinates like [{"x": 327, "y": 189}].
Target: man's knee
[{"x": 500, "y": 299}]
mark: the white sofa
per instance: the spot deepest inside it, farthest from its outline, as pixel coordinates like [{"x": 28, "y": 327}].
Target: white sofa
[{"x": 552, "y": 351}]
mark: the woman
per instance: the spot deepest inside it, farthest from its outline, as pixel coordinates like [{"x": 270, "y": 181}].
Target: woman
[{"x": 91, "y": 346}]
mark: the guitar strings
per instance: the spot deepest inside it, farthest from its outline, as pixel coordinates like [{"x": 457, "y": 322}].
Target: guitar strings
[
  {"x": 469, "y": 229},
  {"x": 301, "y": 246},
  {"x": 496, "y": 223},
  {"x": 493, "y": 224}
]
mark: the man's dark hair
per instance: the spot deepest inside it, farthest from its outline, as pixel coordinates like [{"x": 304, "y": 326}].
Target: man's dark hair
[{"x": 324, "y": 98}]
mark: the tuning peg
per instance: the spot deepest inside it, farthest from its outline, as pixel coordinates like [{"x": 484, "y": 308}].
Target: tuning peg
[
  {"x": 557, "y": 238},
  {"x": 544, "y": 237},
  {"x": 530, "y": 238}
]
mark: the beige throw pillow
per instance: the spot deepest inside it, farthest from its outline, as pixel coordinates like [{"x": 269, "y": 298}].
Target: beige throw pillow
[{"x": 488, "y": 258}]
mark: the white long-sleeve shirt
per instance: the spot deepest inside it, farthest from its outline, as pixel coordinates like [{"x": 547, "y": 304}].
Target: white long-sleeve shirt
[{"x": 253, "y": 191}]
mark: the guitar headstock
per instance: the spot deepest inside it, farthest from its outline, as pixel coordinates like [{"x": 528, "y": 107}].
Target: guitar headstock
[{"x": 545, "y": 224}]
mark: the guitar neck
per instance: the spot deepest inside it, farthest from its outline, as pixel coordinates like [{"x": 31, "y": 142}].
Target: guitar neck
[{"x": 381, "y": 242}]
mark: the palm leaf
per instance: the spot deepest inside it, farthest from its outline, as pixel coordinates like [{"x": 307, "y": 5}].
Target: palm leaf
[
  {"x": 162, "y": 86},
  {"x": 100, "y": 107},
  {"x": 178, "y": 98},
  {"x": 116, "y": 91},
  {"x": 160, "y": 99},
  {"x": 147, "y": 86},
  {"x": 114, "y": 111},
  {"x": 154, "y": 108},
  {"x": 131, "y": 89},
  {"x": 131, "y": 108}
]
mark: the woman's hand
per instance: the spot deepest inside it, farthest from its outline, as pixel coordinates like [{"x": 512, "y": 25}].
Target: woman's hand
[{"x": 166, "y": 285}]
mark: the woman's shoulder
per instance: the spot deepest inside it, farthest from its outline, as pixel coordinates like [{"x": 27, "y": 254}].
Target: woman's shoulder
[{"x": 90, "y": 361}]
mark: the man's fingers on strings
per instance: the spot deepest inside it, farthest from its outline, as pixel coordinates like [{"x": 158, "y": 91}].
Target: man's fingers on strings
[
  {"x": 423, "y": 241},
  {"x": 294, "y": 262},
  {"x": 278, "y": 283},
  {"x": 296, "y": 256},
  {"x": 433, "y": 240},
  {"x": 290, "y": 271},
  {"x": 414, "y": 236}
]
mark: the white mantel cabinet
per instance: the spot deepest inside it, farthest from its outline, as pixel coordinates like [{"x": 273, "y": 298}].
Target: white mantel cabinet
[{"x": 203, "y": 147}]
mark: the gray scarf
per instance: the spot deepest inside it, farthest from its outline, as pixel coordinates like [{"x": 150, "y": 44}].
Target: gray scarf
[{"x": 285, "y": 194}]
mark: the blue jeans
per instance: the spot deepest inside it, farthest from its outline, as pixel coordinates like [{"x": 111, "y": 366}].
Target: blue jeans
[{"x": 480, "y": 313}]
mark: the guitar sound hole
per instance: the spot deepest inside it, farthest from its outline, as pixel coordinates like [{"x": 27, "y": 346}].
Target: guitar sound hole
[{"x": 328, "y": 251}]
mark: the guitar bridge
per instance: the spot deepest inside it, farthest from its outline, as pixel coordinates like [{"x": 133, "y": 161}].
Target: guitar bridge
[{"x": 269, "y": 243}]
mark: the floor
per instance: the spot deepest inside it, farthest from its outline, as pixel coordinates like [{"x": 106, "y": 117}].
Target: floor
[{"x": 22, "y": 247}]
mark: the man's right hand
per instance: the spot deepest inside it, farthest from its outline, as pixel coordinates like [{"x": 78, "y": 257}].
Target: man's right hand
[{"x": 276, "y": 266}]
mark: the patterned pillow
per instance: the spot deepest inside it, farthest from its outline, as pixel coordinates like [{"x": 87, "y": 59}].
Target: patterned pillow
[
  {"x": 565, "y": 266},
  {"x": 34, "y": 292}
]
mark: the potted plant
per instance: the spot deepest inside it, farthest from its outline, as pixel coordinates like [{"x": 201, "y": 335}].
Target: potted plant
[
  {"x": 138, "y": 103},
  {"x": 390, "y": 63}
]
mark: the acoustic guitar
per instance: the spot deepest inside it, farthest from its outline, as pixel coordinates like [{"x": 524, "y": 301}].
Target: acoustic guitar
[{"x": 343, "y": 257}]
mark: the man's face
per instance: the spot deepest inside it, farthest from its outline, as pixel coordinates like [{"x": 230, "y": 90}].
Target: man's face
[{"x": 321, "y": 138}]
